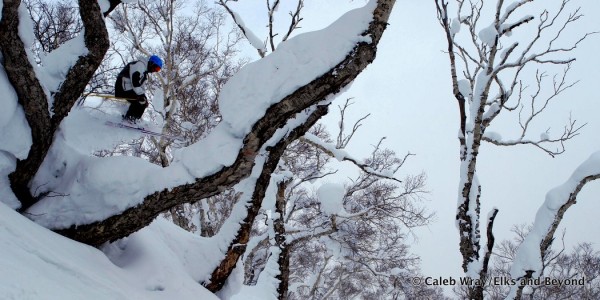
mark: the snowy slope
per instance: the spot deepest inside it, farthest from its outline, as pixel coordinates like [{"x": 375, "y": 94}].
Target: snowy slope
[{"x": 36, "y": 263}]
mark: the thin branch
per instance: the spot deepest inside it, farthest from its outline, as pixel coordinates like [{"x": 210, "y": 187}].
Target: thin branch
[
  {"x": 233, "y": 15},
  {"x": 365, "y": 168},
  {"x": 295, "y": 21}
]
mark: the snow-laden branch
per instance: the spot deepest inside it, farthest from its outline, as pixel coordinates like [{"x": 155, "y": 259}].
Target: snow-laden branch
[
  {"x": 529, "y": 258},
  {"x": 259, "y": 45},
  {"x": 509, "y": 10},
  {"x": 341, "y": 155},
  {"x": 271, "y": 91},
  {"x": 544, "y": 141}
]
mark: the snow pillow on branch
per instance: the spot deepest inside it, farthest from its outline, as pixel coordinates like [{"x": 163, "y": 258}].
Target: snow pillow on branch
[{"x": 331, "y": 196}]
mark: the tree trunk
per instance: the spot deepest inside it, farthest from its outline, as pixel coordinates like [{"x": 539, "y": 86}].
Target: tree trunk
[
  {"x": 280, "y": 240},
  {"x": 32, "y": 98},
  {"x": 31, "y": 94}
]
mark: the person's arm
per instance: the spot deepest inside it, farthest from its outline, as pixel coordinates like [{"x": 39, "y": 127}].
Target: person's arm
[{"x": 136, "y": 71}]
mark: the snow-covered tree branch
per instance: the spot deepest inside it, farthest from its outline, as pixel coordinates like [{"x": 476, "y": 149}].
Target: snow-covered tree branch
[
  {"x": 285, "y": 94},
  {"x": 528, "y": 261},
  {"x": 251, "y": 133}
]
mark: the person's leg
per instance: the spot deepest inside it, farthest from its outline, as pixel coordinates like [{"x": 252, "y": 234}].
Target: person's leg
[
  {"x": 136, "y": 109},
  {"x": 119, "y": 92}
]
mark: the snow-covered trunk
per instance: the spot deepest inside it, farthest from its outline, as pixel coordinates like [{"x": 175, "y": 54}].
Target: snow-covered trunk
[
  {"x": 42, "y": 119},
  {"x": 468, "y": 213},
  {"x": 472, "y": 128},
  {"x": 469, "y": 208},
  {"x": 31, "y": 96},
  {"x": 280, "y": 241}
]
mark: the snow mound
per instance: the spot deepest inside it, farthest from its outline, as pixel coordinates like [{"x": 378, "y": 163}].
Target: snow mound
[
  {"x": 39, "y": 264},
  {"x": 245, "y": 97}
]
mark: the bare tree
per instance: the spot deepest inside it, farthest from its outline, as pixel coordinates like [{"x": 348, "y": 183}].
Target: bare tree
[
  {"x": 487, "y": 70},
  {"x": 368, "y": 235},
  {"x": 54, "y": 24}
]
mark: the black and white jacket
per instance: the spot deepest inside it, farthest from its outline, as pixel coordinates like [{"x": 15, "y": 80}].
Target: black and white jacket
[{"x": 133, "y": 76}]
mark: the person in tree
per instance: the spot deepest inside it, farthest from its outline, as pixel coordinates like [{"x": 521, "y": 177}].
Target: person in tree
[{"x": 130, "y": 85}]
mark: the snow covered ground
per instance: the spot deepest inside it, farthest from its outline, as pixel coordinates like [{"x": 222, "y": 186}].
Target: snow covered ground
[{"x": 36, "y": 263}]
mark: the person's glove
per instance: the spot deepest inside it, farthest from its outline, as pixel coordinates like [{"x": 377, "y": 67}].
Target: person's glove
[{"x": 142, "y": 99}]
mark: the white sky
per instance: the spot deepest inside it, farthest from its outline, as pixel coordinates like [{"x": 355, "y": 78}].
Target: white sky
[{"x": 408, "y": 92}]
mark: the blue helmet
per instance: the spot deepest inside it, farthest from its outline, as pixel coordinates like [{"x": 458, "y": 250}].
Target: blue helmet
[{"x": 156, "y": 60}]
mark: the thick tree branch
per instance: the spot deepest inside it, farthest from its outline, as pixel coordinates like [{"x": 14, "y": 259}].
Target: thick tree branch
[
  {"x": 32, "y": 98},
  {"x": 31, "y": 94},
  {"x": 558, "y": 201},
  {"x": 97, "y": 43}
]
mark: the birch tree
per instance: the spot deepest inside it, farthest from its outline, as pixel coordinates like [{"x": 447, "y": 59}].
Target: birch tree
[{"x": 493, "y": 47}]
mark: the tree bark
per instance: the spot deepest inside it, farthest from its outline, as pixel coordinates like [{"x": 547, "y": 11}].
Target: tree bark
[
  {"x": 276, "y": 116},
  {"x": 31, "y": 95},
  {"x": 32, "y": 98},
  {"x": 280, "y": 240}
]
